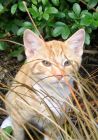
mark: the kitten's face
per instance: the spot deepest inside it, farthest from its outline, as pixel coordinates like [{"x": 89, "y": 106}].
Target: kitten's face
[{"x": 54, "y": 59}]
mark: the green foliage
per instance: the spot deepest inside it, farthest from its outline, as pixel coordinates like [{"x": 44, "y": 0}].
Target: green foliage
[
  {"x": 54, "y": 19},
  {"x": 62, "y": 29},
  {"x": 3, "y": 46},
  {"x": 7, "y": 131}
]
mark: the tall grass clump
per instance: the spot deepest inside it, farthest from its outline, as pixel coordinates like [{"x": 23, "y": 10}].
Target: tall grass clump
[{"x": 81, "y": 113}]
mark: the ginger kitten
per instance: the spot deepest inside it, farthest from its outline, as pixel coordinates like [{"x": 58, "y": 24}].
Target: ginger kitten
[{"x": 39, "y": 88}]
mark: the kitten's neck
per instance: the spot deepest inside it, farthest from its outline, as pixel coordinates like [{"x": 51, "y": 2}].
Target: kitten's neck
[
  {"x": 55, "y": 100},
  {"x": 59, "y": 91}
]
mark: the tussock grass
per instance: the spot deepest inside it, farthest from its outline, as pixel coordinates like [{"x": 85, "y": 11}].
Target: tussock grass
[{"x": 81, "y": 113}]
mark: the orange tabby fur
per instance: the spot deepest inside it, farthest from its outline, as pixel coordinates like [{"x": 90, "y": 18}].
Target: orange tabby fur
[{"x": 44, "y": 65}]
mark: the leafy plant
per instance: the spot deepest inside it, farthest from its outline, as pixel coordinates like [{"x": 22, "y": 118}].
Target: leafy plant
[
  {"x": 54, "y": 19},
  {"x": 6, "y": 133}
]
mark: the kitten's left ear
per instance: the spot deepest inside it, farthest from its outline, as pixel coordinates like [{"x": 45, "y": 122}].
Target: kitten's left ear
[
  {"x": 76, "y": 42},
  {"x": 31, "y": 43}
]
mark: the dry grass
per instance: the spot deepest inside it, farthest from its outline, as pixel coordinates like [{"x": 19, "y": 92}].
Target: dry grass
[{"x": 81, "y": 121}]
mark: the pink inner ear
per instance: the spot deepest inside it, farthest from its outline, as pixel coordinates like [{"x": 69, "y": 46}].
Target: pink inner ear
[
  {"x": 31, "y": 42},
  {"x": 29, "y": 38},
  {"x": 76, "y": 42}
]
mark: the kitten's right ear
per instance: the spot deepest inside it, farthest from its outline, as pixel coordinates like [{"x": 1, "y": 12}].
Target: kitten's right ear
[
  {"x": 31, "y": 43},
  {"x": 76, "y": 41}
]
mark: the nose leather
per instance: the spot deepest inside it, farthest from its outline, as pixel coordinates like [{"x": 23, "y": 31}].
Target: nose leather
[{"x": 58, "y": 73}]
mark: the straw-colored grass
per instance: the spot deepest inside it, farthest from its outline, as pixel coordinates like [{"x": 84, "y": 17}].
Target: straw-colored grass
[{"x": 81, "y": 115}]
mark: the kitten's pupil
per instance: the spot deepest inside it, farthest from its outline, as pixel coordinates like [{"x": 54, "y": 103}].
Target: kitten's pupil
[
  {"x": 46, "y": 63},
  {"x": 66, "y": 63}
]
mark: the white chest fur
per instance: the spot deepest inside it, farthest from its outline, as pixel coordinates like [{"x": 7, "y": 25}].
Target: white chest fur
[{"x": 54, "y": 95}]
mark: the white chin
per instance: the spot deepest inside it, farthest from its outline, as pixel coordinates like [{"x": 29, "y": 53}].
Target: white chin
[{"x": 54, "y": 88}]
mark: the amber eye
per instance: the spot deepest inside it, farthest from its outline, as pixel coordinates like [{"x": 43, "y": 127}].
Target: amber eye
[
  {"x": 46, "y": 63},
  {"x": 66, "y": 63}
]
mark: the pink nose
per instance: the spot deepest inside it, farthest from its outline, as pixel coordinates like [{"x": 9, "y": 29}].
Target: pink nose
[
  {"x": 58, "y": 73},
  {"x": 59, "y": 77}
]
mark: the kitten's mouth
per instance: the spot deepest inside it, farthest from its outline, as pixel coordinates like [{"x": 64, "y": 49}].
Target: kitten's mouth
[
  {"x": 52, "y": 81},
  {"x": 57, "y": 89},
  {"x": 64, "y": 80}
]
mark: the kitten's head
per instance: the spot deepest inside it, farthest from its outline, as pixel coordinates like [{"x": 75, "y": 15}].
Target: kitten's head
[{"x": 54, "y": 58}]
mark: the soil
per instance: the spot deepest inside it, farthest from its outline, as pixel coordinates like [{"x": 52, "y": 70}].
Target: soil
[{"x": 8, "y": 69}]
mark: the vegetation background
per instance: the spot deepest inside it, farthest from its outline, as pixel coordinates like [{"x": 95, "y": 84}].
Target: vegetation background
[{"x": 55, "y": 19}]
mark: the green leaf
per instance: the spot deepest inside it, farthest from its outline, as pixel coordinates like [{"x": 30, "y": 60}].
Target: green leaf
[
  {"x": 13, "y": 9},
  {"x": 59, "y": 23},
  {"x": 72, "y": 1},
  {"x": 27, "y": 24},
  {"x": 61, "y": 29},
  {"x": 21, "y": 30},
  {"x": 2, "y": 35},
  {"x": 55, "y": 2},
  {"x": 77, "y": 9},
  {"x": 95, "y": 15},
  {"x": 1, "y": 8},
  {"x": 92, "y": 3},
  {"x": 2, "y": 46},
  {"x": 8, "y": 130},
  {"x": 21, "y": 6},
  {"x": 86, "y": 19},
  {"x": 72, "y": 15},
  {"x": 18, "y": 22},
  {"x": 46, "y": 16},
  {"x": 35, "y": 8},
  {"x": 84, "y": 12},
  {"x": 34, "y": 2},
  {"x": 87, "y": 38},
  {"x": 65, "y": 32},
  {"x": 60, "y": 14},
  {"x": 57, "y": 31},
  {"x": 44, "y": 2},
  {"x": 39, "y": 0},
  {"x": 40, "y": 9},
  {"x": 75, "y": 26},
  {"x": 34, "y": 11},
  {"x": 51, "y": 10},
  {"x": 14, "y": 28}
]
